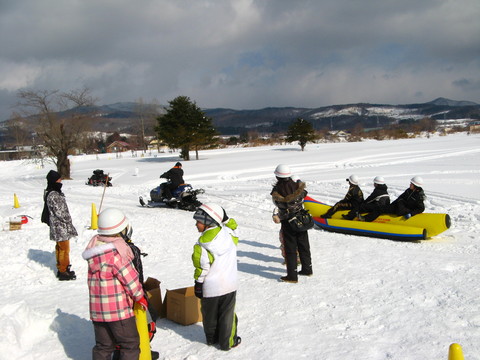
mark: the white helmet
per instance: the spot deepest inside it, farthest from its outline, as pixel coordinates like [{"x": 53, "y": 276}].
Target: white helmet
[
  {"x": 417, "y": 181},
  {"x": 353, "y": 179},
  {"x": 379, "y": 180},
  {"x": 111, "y": 221},
  {"x": 283, "y": 171},
  {"x": 214, "y": 211}
]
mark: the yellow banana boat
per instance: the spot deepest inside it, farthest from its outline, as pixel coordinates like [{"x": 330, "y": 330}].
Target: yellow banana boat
[{"x": 386, "y": 226}]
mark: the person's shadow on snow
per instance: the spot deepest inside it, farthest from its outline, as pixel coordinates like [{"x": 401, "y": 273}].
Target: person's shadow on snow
[
  {"x": 43, "y": 257},
  {"x": 193, "y": 333},
  {"x": 75, "y": 334},
  {"x": 269, "y": 272}
]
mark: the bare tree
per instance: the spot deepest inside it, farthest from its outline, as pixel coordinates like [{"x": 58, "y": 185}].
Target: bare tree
[
  {"x": 18, "y": 129},
  {"x": 147, "y": 114},
  {"x": 59, "y": 123}
]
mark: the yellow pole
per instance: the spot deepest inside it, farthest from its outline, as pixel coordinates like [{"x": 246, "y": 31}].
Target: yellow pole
[
  {"x": 16, "y": 205},
  {"x": 142, "y": 327},
  {"x": 94, "y": 222},
  {"x": 455, "y": 352}
]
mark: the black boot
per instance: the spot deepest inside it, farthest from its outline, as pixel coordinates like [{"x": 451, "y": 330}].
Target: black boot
[{"x": 65, "y": 276}]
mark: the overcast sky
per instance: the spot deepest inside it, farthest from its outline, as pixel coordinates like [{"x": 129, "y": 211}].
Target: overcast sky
[{"x": 243, "y": 54}]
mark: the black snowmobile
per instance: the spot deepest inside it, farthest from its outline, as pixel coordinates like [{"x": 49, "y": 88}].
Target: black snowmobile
[
  {"x": 99, "y": 179},
  {"x": 184, "y": 197}
]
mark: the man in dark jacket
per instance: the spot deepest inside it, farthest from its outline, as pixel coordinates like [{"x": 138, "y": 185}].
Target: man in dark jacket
[
  {"x": 377, "y": 202},
  {"x": 175, "y": 177},
  {"x": 351, "y": 201},
  {"x": 410, "y": 203},
  {"x": 288, "y": 196}
]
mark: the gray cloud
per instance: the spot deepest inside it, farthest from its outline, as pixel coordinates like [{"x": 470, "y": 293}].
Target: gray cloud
[{"x": 243, "y": 53}]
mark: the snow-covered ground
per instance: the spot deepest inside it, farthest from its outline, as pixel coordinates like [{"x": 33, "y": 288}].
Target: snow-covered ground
[{"x": 368, "y": 299}]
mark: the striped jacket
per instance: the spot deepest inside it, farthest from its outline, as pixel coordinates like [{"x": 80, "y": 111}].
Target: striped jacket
[
  {"x": 112, "y": 283},
  {"x": 215, "y": 260}
]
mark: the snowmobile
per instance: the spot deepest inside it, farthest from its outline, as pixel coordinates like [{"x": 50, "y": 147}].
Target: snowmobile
[
  {"x": 184, "y": 197},
  {"x": 99, "y": 179}
]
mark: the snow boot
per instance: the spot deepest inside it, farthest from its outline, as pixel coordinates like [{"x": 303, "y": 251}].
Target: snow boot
[
  {"x": 65, "y": 276},
  {"x": 288, "y": 280}
]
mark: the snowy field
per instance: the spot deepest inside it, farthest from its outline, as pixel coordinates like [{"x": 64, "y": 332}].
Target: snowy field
[{"x": 369, "y": 298}]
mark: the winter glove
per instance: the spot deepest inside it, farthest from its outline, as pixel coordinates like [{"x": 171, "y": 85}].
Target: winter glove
[
  {"x": 407, "y": 216},
  {"x": 143, "y": 303},
  {"x": 198, "y": 289},
  {"x": 152, "y": 329}
]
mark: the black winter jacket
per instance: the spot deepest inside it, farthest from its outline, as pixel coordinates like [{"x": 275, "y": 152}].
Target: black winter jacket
[
  {"x": 354, "y": 196},
  {"x": 175, "y": 175},
  {"x": 379, "y": 196},
  {"x": 288, "y": 196},
  {"x": 413, "y": 200}
]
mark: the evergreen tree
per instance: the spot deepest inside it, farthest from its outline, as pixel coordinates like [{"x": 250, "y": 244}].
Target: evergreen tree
[
  {"x": 185, "y": 126},
  {"x": 302, "y": 131}
]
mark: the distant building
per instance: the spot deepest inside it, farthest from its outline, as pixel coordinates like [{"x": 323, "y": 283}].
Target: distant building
[
  {"x": 118, "y": 146},
  {"x": 157, "y": 145},
  {"x": 474, "y": 126}
]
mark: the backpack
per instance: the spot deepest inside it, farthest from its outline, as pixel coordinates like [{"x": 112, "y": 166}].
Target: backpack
[{"x": 45, "y": 215}]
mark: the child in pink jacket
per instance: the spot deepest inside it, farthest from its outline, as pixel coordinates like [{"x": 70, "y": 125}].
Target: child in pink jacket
[{"x": 114, "y": 286}]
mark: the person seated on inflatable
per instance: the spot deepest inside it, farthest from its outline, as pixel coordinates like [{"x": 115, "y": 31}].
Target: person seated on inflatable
[
  {"x": 351, "y": 201},
  {"x": 175, "y": 177},
  {"x": 377, "y": 202},
  {"x": 410, "y": 203}
]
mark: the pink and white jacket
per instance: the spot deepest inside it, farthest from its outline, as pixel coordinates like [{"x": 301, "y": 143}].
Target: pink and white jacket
[{"x": 112, "y": 279}]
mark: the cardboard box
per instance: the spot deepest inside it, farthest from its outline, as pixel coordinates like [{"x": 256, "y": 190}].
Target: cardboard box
[
  {"x": 15, "y": 226},
  {"x": 154, "y": 295},
  {"x": 183, "y": 306}
]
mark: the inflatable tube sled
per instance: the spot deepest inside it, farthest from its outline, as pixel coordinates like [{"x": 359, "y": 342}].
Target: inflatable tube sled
[{"x": 386, "y": 226}]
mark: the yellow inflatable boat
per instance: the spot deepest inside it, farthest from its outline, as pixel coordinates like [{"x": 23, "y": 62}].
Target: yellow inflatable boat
[{"x": 387, "y": 226}]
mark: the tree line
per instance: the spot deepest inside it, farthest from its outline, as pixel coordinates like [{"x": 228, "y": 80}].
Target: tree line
[{"x": 63, "y": 122}]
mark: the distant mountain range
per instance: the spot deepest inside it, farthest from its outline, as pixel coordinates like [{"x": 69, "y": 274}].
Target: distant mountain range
[{"x": 123, "y": 117}]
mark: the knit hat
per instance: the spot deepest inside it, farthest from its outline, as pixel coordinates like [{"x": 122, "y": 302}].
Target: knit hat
[
  {"x": 53, "y": 176},
  {"x": 178, "y": 164}
]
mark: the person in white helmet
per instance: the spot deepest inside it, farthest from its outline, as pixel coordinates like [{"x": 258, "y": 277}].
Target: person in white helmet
[
  {"x": 351, "y": 201},
  {"x": 411, "y": 202},
  {"x": 113, "y": 286},
  {"x": 216, "y": 281},
  {"x": 288, "y": 196},
  {"x": 376, "y": 203}
]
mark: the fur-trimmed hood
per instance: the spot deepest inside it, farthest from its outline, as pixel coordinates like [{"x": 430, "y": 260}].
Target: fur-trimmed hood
[{"x": 276, "y": 197}]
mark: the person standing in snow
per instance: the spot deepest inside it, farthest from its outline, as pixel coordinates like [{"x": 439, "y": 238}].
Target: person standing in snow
[
  {"x": 113, "y": 286},
  {"x": 376, "y": 203},
  {"x": 152, "y": 315},
  {"x": 351, "y": 201},
  {"x": 288, "y": 195},
  {"x": 216, "y": 281},
  {"x": 175, "y": 177},
  {"x": 276, "y": 220},
  {"x": 56, "y": 215},
  {"x": 410, "y": 203}
]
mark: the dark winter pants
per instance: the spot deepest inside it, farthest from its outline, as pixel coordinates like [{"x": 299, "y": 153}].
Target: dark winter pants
[
  {"x": 220, "y": 320},
  {"x": 399, "y": 208},
  {"x": 373, "y": 209},
  {"x": 109, "y": 334},
  {"x": 341, "y": 206},
  {"x": 62, "y": 254},
  {"x": 296, "y": 241}
]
